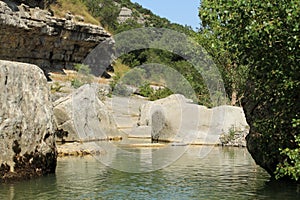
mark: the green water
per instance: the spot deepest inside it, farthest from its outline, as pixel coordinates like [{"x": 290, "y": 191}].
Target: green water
[{"x": 225, "y": 173}]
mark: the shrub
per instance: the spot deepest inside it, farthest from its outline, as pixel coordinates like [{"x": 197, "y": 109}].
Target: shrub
[{"x": 83, "y": 75}]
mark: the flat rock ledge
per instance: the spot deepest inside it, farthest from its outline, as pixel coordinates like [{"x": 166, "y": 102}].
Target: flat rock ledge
[{"x": 79, "y": 149}]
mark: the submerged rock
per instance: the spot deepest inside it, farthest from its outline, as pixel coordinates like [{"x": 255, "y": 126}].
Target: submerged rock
[
  {"x": 27, "y": 144},
  {"x": 81, "y": 116},
  {"x": 177, "y": 119}
]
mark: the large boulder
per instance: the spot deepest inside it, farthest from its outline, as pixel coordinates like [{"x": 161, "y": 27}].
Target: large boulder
[
  {"x": 27, "y": 143},
  {"x": 81, "y": 116},
  {"x": 177, "y": 119}
]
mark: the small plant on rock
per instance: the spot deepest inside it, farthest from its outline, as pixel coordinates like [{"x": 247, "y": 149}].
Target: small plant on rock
[{"x": 83, "y": 76}]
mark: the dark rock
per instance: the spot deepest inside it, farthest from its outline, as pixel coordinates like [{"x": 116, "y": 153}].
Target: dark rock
[
  {"x": 106, "y": 75},
  {"x": 110, "y": 68},
  {"x": 36, "y": 3}
]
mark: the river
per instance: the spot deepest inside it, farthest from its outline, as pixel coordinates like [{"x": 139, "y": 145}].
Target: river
[{"x": 224, "y": 173}]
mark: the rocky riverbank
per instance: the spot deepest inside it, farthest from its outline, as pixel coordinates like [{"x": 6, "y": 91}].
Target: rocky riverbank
[
  {"x": 31, "y": 120},
  {"x": 132, "y": 119},
  {"x": 28, "y": 127}
]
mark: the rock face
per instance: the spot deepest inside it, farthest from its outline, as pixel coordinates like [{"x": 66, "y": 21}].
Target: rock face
[
  {"x": 39, "y": 3},
  {"x": 176, "y": 119},
  {"x": 81, "y": 116},
  {"x": 27, "y": 144},
  {"x": 124, "y": 15},
  {"x": 33, "y": 35}
]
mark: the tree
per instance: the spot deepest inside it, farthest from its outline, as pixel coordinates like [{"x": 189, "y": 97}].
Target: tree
[
  {"x": 234, "y": 76},
  {"x": 263, "y": 35},
  {"x": 106, "y": 11}
]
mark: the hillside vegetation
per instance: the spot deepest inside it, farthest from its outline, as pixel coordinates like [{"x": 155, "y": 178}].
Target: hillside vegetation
[
  {"x": 107, "y": 13},
  {"x": 75, "y": 7}
]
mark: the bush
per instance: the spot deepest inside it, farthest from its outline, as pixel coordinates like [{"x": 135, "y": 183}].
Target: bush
[
  {"x": 146, "y": 90},
  {"x": 160, "y": 93},
  {"x": 83, "y": 76},
  {"x": 291, "y": 165}
]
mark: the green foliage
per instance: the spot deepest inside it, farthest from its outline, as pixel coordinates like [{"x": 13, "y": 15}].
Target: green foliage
[
  {"x": 76, "y": 7},
  {"x": 114, "y": 81},
  {"x": 176, "y": 73},
  {"x": 83, "y": 75},
  {"x": 231, "y": 133},
  {"x": 160, "y": 93},
  {"x": 56, "y": 87},
  {"x": 75, "y": 83},
  {"x": 291, "y": 165},
  {"x": 146, "y": 90},
  {"x": 234, "y": 74},
  {"x": 107, "y": 14},
  {"x": 82, "y": 69},
  {"x": 127, "y": 25},
  {"x": 106, "y": 11},
  {"x": 263, "y": 35}
]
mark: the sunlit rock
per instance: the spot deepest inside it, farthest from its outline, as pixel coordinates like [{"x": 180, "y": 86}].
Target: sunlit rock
[
  {"x": 27, "y": 144},
  {"x": 81, "y": 116},
  {"x": 177, "y": 119}
]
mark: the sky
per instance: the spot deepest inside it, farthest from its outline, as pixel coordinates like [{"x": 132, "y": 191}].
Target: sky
[{"x": 183, "y": 12}]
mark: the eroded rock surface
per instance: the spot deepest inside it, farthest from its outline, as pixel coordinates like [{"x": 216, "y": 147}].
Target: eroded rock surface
[
  {"x": 177, "y": 119},
  {"x": 27, "y": 144},
  {"x": 33, "y": 35},
  {"x": 81, "y": 116}
]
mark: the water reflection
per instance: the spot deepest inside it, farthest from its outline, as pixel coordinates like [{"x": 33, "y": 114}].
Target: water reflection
[
  {"x": 139, "y": 160},
  {"x": 226, "y": 173}
]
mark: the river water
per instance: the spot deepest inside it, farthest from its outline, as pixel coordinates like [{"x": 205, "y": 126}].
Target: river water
[{"x": 224, "y": 173}]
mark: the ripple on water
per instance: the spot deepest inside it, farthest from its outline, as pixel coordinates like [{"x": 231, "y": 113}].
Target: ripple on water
[{"x": 226, "y": 173}]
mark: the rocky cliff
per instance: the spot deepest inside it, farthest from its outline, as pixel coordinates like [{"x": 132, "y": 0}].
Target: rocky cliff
[
  {"x": 27, "y": 142},
  {"x": 33, "y": 35},
  {"x": 36, "y": 3}
]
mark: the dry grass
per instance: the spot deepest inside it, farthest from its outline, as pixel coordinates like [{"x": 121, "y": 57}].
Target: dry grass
[
  {"x": 71, "y": 75},
  {"x": 68, "y": 76},
  {"x": 76, "y": 7},
  {"x": 120, "y": 69},
  {"x": 103, "y": 81}
]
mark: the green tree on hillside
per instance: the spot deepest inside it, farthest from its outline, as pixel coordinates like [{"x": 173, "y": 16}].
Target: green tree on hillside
[{"x": 106, "y": 11}]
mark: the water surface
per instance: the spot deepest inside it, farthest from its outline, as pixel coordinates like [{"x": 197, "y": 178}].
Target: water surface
[{"x": 225, "y": 173}]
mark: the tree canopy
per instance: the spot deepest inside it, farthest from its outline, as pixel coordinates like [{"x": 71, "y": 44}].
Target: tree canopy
[{"x": 263, "y": 35}]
